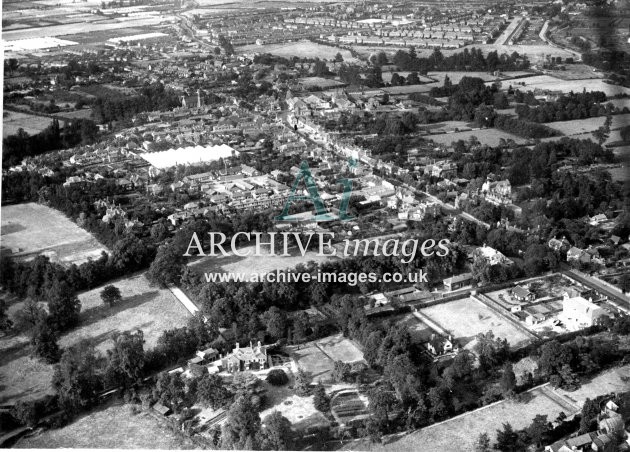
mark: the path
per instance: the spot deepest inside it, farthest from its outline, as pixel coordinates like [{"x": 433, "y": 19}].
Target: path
[{"x": 183, "y": 299}]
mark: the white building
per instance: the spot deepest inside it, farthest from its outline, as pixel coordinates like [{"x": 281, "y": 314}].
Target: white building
[{"x": 578, "y": 313}]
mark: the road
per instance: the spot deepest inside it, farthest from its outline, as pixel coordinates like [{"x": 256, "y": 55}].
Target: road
[
  {"x": 543, "y": 36},
  {"x": 620, "y": 300}
]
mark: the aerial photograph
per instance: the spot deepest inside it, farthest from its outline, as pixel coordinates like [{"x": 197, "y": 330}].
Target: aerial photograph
[{"x": 315, "y": 225}]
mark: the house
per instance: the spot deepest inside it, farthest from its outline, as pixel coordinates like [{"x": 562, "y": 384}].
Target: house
[
  {"x": 521, "y": 293},
  {"x": 577, "y": 443},
  {"x": 578, "y": 313},
  {"x": 491, "y": 256},
  {"x": 498, "y": 193},
  {"x": 603, "y": 443},
  {"x": 457, "y": 282},
  {"x": 598, "y": 219},
  {"x": 576, "y": 254},
  {"x": 245, "y": 358},
  {"x": 559, "y": 245},
  {"x": 440, "y": 345},
  {"x": 161, "y": 409}
]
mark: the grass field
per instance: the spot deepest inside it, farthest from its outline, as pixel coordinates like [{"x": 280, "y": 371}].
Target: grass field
[
  {"x": 317, "y": 358},
  {"x": 612, "y": 380},
  {"x": 460, "y": 434},
  {"x": 491, "y": 137},
  {"x": 32, "y": 124},
  {"x": 581, "y": 126},
  {"x": 149, "y": 309},
  {"x": 548, "y": 82},
  {"x": 467, "y": 317},
  {"x": 303, "y": 49},
  {"x": 32, "y": 229},
  {"x": 110, "y": 427},
  {"x": 255, "y": 264}
]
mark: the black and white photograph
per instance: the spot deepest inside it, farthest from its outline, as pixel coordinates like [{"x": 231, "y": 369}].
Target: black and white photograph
[{"x": 315, "y": 225}]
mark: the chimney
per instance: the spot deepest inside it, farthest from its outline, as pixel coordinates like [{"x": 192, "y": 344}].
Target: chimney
[{"x": 236, "y": 346}]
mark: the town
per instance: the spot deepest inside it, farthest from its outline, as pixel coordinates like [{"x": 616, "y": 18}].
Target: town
[{"x": 332, "y": 225}]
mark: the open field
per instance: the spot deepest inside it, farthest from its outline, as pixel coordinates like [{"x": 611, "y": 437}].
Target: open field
[
  {"x": 255, "y": 264},
  {"x": 317, "y": 358},
  {"x": 149, "y": 309},
  {"x": 547, "y": 82},
  {"x": 612, "y": 380},
  {"x": 111, "y": 427},
  {"x": 491, "y": 137},
  {"x": 32, "y": 124},
  {"x": 420, "y": 332},
  {"x": 468, "y": 317},
  {"x": 460, "y": 433},
  {"x": 33, "y": 229},
  {"x": 303, "y": 49},
  {"x": 588, "y": 125}
]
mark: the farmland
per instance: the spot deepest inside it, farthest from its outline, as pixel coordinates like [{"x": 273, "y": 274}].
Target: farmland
[
  {"x": 110, "y": 427},
  {"x": 579, "y": 126},
  {"x": 32, "y": 124},
  {"x": 149, "y": 309},
  {"x": 302, "y": 49},
  {"x": 468, "y": 317},
  {"x": 548, "y": 82},
  {"x": 491, "y": 137},
  {"x": 32, "y": 229}
]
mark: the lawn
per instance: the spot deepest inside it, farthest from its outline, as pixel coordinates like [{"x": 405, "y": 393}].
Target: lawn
[
  {"x": 468, "y": 317},
  {"x": 150, "y": 309},
  {"x": 255, "y": 264},
  {"x": 110, "y": 427},
  {"x": 32, "y": 229},
  {"x": 580, "y": 126},
  {"x": 491, "y": 137},
  {"x": 302, "y": 49},
  {"x": 612, "y": 380},
  {"x": 300, "y": 411},
  {"x": 32, "y": 124}
]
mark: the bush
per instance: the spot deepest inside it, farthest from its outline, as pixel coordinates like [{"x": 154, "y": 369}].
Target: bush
[{"x": 277, "y": 377}]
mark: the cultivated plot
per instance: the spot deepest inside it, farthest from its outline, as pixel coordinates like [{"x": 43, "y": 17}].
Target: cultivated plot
[
  {"x": 303, "y": 49},
  {"x": 467, "y": 317},
  {"x": 32, "y": 229},
  {"x": 491, "y": 137},
  {"x": 12, "y": 121}
]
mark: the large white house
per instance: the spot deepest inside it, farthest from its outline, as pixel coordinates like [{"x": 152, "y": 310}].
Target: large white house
[{"x": 578, "y": 313}]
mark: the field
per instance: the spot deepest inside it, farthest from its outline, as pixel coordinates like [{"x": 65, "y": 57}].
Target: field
[
  {"x": 460, "y": 433},
  {"x": 32, "y": 124},
  {"x": 303, "y": 49},
  {"x": 111, "y": 427},
  {"x": 612, "y": 380},
  {"x": 143, "y": 307},
  {"x": 317, "y": 358},
  {"x": 467, "y": 317},
  {"x": 491, "y": 137},
  {"x": 32, "y": 229},
  {"x": 547, "y": 82},
  {"x": 420, "y": 332},
  {"x": 580, "y": 126},
  {"x": 253, "y": 264}
]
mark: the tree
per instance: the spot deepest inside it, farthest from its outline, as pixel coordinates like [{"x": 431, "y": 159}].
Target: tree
[
  {"x": 483, "y": 443},
  {"x": 30, "y": 315},
  {"x": 242, "y": 425},
  {"x": 166, "y": 268},
  {"x": 170, "y": 390},
  {"x": 588, "y": 418},
  {"x": 111, "y": 295},
  {"x": 63, "y": 306},
  {"x": 275, "y": 321},
  {"x": 321, "y": 399},
  {"x": 338, "y": 57},
  {"x": 302, "y": 387},
  {"x": 5, "y": 322},
  {"x": 125, "y": 362},
  {"x": 538, "y": 429},
  {"x": 44, "y": 343},
  {"x": 277, "y": 433},
  {"x": 341, "y": 371},
  {"x": 212, "y": 392},
  {"x": 508, "y": 380},
  {"x": 277, "y": 377},
  {"x": 76, "y": 378},
  {"x": 507, "y": 439}
]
